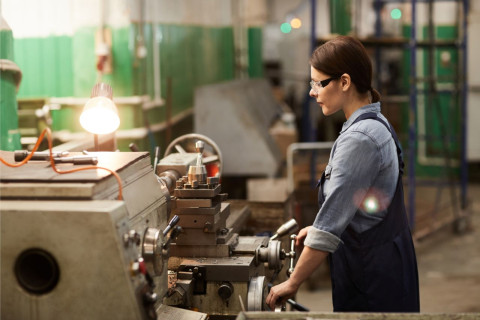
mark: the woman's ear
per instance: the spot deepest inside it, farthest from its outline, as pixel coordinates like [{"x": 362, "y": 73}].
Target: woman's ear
[{"x": 346, "y": 81}]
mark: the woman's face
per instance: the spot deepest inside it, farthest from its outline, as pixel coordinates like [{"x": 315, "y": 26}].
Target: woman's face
[{"x": 328, "y": 97}]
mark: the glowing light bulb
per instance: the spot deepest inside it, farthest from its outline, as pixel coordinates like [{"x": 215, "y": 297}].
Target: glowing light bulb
[{"x": 100, "y": 114}]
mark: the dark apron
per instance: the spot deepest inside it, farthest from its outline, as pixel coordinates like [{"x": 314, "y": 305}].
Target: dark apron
[{"x": 376, "y": 270}]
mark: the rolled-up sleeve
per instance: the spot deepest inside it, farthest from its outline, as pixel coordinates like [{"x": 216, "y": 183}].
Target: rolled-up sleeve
[
  {"x": 321, "y": 240},
  {"x": 354, "y": 166}
]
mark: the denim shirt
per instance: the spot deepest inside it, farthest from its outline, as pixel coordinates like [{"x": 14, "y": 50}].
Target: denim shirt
[{"x": 360, "y": 180}]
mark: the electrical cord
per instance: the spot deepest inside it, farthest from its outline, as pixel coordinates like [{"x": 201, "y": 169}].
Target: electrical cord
[{"x": 48, "y": 132}]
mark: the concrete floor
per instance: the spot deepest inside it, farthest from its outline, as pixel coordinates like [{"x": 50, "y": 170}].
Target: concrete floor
[{"x": 449, "y": 270}]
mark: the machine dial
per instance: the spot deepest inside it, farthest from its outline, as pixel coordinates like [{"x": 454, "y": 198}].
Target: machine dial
[
  {"x": 152, "y": 251},
  {"x": 257, "y": 293}
]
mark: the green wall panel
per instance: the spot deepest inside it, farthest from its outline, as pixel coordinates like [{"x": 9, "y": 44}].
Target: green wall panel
[
  {"x": 341, "y": 16},
  {"x": 192, "y": 56},
  {"x": 121, "y": 77},
  {"x": 67, "y": 118},
  {"x": 255, "y": 62},
  {"x": 84, "y": 62},
  {"x": 442, "y": 109},
  {"x": 46, "y": 64}
]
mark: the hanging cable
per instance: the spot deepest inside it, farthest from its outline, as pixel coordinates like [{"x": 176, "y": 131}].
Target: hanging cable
[{"x": 48, "y": 132}]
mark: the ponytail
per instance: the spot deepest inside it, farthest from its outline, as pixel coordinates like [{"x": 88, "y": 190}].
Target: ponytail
[{"x": 375, "y": 95}]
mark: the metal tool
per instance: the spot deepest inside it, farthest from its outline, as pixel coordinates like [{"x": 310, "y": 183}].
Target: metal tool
[
  {"x": 155, "y": 161},
  {"x": 77, "y": 160},
  {"x": 286, "y": 228},
  {"x": 20, "y": 155}
]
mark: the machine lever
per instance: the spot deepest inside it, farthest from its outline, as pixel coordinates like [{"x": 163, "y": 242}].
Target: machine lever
[
  {"x": 297, "y": 306},
  {"x": 171, "y": 224},
  {"x": 286, "y": 228},
  {"x": 155, "y": 161},
  {"x": 133, "y": 147},
  {"x": 175, "y": 232},
  {"x": 292, "y": 254}
]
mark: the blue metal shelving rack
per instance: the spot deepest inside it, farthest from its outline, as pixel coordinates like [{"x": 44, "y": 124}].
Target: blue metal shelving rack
[{"x": 413, "y": 44}]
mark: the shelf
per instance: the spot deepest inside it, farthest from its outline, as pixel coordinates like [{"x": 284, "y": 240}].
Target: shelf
[{"x": 404, "y": 42}]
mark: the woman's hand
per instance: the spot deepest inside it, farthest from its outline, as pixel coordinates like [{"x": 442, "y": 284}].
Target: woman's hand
[
  {"x": 309, "y": 260},
  {"x": 279, "y": 294},
  {"x": 301, "y": 237}
]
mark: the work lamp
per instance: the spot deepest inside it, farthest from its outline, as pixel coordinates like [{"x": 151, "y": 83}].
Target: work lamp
[{"x": 100, "y": 114}]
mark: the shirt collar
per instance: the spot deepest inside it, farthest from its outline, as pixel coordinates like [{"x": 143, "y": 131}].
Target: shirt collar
[{"x": 373, "y": 107}]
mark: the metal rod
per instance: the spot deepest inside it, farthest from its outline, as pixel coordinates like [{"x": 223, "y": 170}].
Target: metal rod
[
  {"x": 378, "y": 33},
  {"x": 307, "y": 128},
  {"x": 95, "y": 142},
  {"x": 294, "y": 147},
  {"x": 311, "y": 133},
  {"x": 464, "y": 166},
  {"x": 412, "y": 119}
]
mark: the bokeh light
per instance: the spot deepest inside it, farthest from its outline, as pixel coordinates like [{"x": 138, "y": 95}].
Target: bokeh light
[
  {"x": 296, "y": 23},
  {"x": 286, "y": 27},
  {"x": 371, "y": 201},
  {"x": 396, "y": 14},
  {"x": 371, "y": 204}
]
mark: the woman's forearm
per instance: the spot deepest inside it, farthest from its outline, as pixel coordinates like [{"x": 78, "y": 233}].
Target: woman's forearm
[{"x": 309, "y": 261}]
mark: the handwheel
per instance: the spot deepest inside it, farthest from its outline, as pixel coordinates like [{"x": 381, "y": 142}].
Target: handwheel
[{"x": 211, "y": 153}]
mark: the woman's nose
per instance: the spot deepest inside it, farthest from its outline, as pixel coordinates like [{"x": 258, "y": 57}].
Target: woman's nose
[{"x": 312, "y": 93}]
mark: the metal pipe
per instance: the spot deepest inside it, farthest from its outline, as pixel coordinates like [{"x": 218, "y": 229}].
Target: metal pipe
[
  {"x": 306, "y": 122},
  {"x": 412, "y": 119},
  {"x": 302, "y": 146},
  {"x": 378, "y": 33},
  {"x": 313, "y": 15},
  {"x": 157, "y": 79},
  {"x": 464, "y": 167},
  {"x": 309, "y": 132}
]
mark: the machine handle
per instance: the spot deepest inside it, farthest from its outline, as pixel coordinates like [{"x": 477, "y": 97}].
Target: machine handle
[
  {"x": 291, "y": 255},
  {"x": 297, "y": 306},
  {"x": 175, "y": 232},
  {"x": 171, "y": 224},
  {"x": 155, "y": 160}
]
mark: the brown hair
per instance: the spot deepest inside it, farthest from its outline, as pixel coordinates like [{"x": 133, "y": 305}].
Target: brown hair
[{"x": 346, "y": 54}]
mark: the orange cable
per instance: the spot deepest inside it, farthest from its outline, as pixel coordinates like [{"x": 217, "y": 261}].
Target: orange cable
[{"x": 52, "y": 162}]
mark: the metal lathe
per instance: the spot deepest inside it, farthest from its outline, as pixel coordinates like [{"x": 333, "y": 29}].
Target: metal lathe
[{"x": 169, "y": 249}]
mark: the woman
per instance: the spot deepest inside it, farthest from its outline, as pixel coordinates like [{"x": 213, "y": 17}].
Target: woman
[{"x": 361, "y": 225}]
